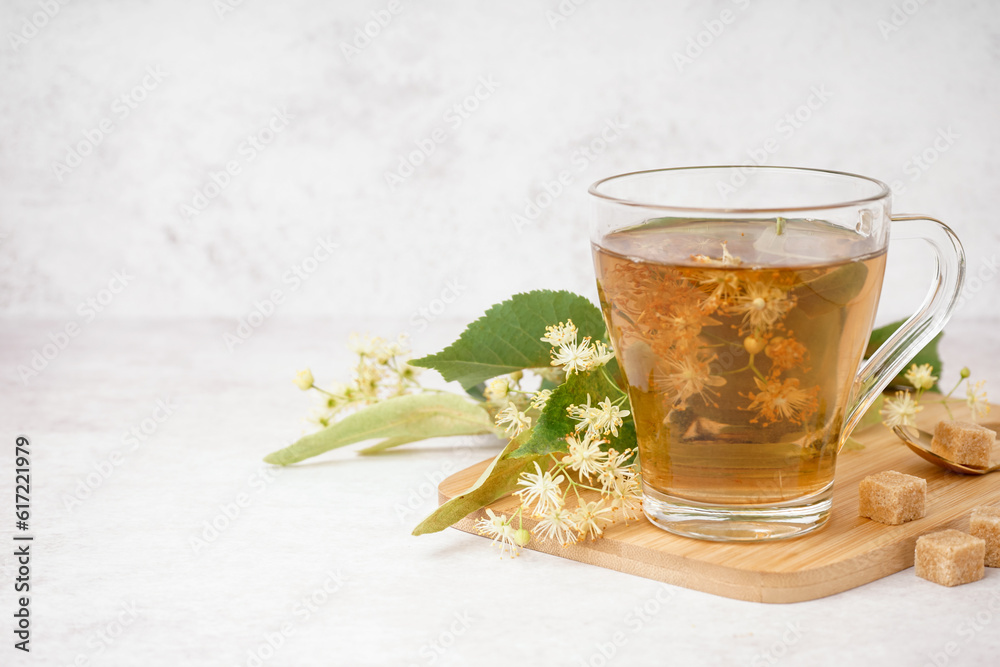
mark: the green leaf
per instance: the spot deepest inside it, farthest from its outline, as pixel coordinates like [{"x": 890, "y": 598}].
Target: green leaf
[
  {"x": 928, "y": 355},
  {"x": 852, "y": 445},
  {"x": 508, "y": 336},
  {"x": 400, "y": 419},
  {"x": 554, "y": 424},
  {"x": 389, "y": 443},
  {"x": 499, "y": 479},
  {"x": 833, "y": 290}
]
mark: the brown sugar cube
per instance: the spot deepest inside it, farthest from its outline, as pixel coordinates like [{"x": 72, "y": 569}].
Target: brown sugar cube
[
  {"x": 950, "y": 557},
  {"x": 964, "y": 442},
  {"x": 985, "y": 524},
  {"x": 892, "y": 498}
]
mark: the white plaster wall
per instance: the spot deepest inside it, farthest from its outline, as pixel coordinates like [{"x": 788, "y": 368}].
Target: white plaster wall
[{"x": 559, "y": 83}]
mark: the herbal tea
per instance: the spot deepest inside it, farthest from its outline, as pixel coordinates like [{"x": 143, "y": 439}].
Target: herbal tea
[{"x": 739, "y": 341}]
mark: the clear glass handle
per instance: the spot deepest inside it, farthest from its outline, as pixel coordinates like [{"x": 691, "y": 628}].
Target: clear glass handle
[{"x": 926, "y": 323}]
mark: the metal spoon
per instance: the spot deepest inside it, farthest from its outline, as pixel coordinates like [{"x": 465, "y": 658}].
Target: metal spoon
[{"x": 920, "y": 442}]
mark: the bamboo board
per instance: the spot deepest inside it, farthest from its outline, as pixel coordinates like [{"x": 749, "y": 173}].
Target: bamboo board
[{"x": 849, "y": 551}]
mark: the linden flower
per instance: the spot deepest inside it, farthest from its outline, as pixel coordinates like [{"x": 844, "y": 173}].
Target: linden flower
[
  {"x": 591, "y": 517},
  {"x": 496, "y": 389},
  {"x": 605, "y": 418},
  {"x": 574, "y": 357},
  {"x": 304, "y": 379},
  {"x": 762, "y": 305},
  {"x": 542, "y": 490},
  {"x": 585, "y": 456},
  {"x": 689, "y": 377},
  {"x": 727, "y": 258},
  {"x": 921, "y": 376},
  {"x": 610, "y": 417},
  {"x": 687, "y": 321},
  {"x": 777, "y": 400},
  {"x": 560, "y": 334},
  {"x": 976, "y": 399},
  {"x": 363, "y": 345},
  {"x": 900, "y": 411},
  {"x": 517, "y": 421},
  {"x": 557, "y": 525},
  {"x": 540, "y": 398},
  {"x": 500, "y": 531},
  {"x": 786, "y": 353},
  {"x": 616, "y": 472},
  {"x": 601, "y": 355},
  {"x": 723, "y": 286},
  {"x": 628, "y": 499}
]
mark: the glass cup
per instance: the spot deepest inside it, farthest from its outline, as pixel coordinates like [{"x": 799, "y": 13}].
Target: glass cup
[{"x": 740, "y": 301}]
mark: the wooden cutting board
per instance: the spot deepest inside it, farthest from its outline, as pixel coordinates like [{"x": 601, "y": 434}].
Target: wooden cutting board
[{"x": 849, "y": 551}]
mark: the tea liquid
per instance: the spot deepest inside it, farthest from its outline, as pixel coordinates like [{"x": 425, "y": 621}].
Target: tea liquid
[{"x": 739, "y": 341}]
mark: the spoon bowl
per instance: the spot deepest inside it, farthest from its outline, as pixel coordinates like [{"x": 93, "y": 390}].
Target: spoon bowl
[{"x": 920, "y": 442}]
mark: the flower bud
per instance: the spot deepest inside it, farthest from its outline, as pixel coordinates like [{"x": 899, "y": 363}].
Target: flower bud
[
  {"x": 965, "y": 372},
  {"x": 753, "y": 345},
  {"x": 304, "y": 379},
  {"x": 522, "y": 537}
]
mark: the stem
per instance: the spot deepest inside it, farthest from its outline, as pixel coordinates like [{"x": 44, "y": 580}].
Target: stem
[
  {"x": 719, "y": 338},
  {"x": 957, "y": 385},
  {"x": 604, "y": 372},
  {"x": 331, "y": 395}
]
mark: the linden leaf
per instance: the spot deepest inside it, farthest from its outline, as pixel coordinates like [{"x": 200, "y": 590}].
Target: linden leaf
[
  {"x": 507, "y": 337},
  {"x": 499, "y": 479},
  {"x": 833, "y": 290},
  {"x": 554, "y": 424},
  {"x": 928, "y": 355},
  {"x": 396, "y": 421}
]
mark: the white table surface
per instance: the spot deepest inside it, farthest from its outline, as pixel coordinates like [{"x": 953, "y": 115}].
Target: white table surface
[{"x": 124, "y": 554}]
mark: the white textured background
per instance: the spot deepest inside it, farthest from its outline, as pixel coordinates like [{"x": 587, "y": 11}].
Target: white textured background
[
  {"x": 445, "y": 233},
  {"x": 452, "y": 219}
]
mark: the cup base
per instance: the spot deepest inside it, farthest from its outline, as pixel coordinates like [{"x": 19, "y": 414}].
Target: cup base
[{"x": 737, "y": 523}]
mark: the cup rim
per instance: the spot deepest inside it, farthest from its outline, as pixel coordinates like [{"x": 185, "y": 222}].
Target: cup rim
[{"x": 884, "y": 190}]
